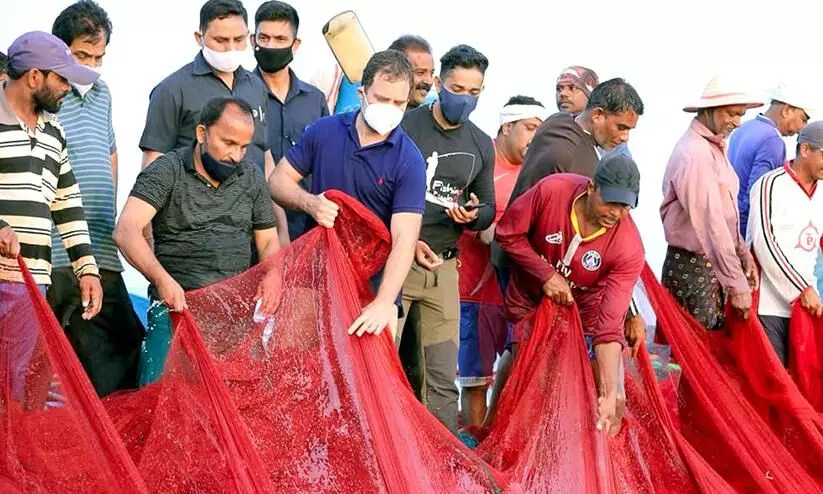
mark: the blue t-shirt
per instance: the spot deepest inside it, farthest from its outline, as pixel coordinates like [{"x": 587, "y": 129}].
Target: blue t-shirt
[
  {"x": 755, "y": 149},
  {"x": 347, "y": 99},
  {"x": 388, "y": 177}
]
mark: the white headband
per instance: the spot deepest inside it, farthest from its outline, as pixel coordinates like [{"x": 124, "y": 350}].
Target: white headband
[{"x": 513, "y": 113}]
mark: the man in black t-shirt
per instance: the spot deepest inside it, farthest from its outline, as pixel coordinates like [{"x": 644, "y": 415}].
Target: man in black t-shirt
[
  {"x": 208, "y": 207},
  {"x": 459, "y": 194}
]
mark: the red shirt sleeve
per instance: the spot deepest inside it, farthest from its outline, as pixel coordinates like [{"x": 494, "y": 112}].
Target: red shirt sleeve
[
  {"x": 512, "y": 232},
  {"x": 608, "y": 301}
]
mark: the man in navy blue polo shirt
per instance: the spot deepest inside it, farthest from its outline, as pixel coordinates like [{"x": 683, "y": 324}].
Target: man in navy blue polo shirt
[
  {"x": 292, "y": 103},
  {"x": 366, "y": 155}
]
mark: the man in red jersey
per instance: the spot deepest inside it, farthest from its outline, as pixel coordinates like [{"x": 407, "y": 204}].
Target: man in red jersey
[
  {"x": 482, "y": 318},
  {"x": 571, "y": 239}
]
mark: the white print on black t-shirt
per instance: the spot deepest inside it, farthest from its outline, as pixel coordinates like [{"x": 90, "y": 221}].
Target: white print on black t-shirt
[{"x": 444, "y": 190}]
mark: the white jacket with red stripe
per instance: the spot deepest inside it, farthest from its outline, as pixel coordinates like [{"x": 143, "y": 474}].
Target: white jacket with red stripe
[{"x": 785, "y": 224}]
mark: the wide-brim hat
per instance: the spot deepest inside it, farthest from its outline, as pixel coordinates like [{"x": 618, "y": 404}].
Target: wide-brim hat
[{"x": 721, "y": 91}]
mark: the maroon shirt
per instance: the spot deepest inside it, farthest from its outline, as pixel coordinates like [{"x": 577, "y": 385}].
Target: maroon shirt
[{"x": 539, "y": 233}]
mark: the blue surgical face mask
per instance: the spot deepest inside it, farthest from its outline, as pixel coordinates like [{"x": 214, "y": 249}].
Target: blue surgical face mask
[{"x": 456, "y": 108}]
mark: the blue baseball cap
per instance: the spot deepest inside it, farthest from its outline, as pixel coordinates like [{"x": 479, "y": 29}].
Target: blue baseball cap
[{"x": 44, "y": 51}]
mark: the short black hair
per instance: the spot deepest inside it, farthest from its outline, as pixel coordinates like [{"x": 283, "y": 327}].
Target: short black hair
[
  {"x": 410, "y": 42},
  {"x": 523, "y": 100},
  {"x": 463, "y": 56},
  {"x": 391, "y": 63},
  {"x": 16, "y": 74},
  {"x": 84, "y": 18},
  {"x": 220, "y": 9},
  {"x": 4, "y": 63},
  {"x": 215, "y": 107},
  {"x": 277, "y": 11},
  {"x": 615, "y": 96}
]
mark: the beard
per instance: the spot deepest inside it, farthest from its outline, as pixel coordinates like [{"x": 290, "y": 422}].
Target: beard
[{"x": 47, "y": 100}]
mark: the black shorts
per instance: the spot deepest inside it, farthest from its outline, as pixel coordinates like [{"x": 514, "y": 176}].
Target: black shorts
[{"x": 108, "y": 345}]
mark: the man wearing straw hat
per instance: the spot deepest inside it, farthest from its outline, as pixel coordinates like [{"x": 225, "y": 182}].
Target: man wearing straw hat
[{"x": 707, "y": 260}]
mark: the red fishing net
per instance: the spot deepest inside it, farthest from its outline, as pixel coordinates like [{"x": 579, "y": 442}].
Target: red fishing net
[
  {"x": 292, "y": 403},
  {"x": 55, "y": 435},
  {"x": 805, "y": 357},
  {"x": 721, "y": 404}
]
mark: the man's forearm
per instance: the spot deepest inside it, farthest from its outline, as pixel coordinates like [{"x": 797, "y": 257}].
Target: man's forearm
[
  {"x": 287, "y": 193},
  {"x": 271, "y": 247},
  {"x": 139, "y": 254},
  {"x": 397, "y": 268},
  {"x": 608, "y": 362}
]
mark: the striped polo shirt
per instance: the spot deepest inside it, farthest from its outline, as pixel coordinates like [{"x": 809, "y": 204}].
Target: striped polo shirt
[
  {"x": 37, "y": 187},
  {"x": 90, "y": 138}
]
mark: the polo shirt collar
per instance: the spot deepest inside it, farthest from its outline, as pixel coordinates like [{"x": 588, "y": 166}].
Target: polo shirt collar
[
  {"x": 188, "y": 162},
  {"x": 703, "y": 131},
  {"x": 767, "y": 120},
  {"x": 790, "y": 171},
  {"x": 201, "y": 67},
  {"x": 349, "y": 120},
  {"x": 7, "y": 115},
  {"x": 296, "y": 86}
]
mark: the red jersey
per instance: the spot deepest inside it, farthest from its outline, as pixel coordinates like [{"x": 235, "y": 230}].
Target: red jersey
[
  {"x": 478, "y": 282},
  {"x": 540, "y": 233}
]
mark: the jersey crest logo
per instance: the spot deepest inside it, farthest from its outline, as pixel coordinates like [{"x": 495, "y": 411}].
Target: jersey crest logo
[
  {"x": 591, "y": 260},
  {"x": 555, "y": 238},
  {"x": 808, "y": 238}
]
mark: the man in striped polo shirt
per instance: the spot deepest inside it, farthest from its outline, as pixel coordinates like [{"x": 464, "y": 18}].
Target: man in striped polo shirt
[
  {"x": 108, "y": 345},
  {"x": 37, "y": 185}
]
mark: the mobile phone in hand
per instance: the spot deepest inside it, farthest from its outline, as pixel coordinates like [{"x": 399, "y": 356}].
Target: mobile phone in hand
[{"x": 472, "y": 207}]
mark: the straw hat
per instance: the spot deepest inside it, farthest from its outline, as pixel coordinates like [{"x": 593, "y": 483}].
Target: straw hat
[{"x": 722, "y": 91}]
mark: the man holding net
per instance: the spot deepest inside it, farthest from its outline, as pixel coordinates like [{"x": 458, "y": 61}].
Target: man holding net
[
  {"x": 206, "y": 203},
  {"x": 571, "y": 239}
]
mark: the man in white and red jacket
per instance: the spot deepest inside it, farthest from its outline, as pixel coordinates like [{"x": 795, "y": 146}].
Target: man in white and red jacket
[{"x": 785, "y": 223}]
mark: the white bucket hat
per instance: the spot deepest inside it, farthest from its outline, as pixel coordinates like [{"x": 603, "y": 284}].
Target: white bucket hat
[
  {"x": 793, "y": 96},
  {"x": 721, "y": 91}
]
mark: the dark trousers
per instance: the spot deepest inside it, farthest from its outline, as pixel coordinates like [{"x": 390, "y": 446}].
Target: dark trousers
[
  {"x": 777, "y": 331},
  {"x": 108, "y": 345}
]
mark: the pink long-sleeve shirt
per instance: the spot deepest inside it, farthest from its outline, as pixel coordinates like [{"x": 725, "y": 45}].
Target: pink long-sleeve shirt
[{"x": 699, "y": 209}]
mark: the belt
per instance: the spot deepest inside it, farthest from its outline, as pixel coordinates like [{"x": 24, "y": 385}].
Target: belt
[{"x": 449, "y": 254}]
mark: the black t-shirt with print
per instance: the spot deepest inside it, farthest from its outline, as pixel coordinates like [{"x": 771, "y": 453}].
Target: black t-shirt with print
[{"x": 458, "y": 162}]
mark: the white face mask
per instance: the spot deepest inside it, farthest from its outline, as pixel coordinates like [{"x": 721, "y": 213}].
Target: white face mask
[
  {"x": 223, "y": 61},
  {"x": 382, "y": 117},
  {"x": 83, "y": 89}
]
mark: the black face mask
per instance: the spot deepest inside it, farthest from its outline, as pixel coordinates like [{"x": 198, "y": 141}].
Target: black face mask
[
  {"x": 273, "y": 60},
  {"x": 218, "y": 170}
]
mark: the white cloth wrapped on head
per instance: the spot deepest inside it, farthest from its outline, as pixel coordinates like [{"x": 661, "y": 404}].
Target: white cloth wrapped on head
[{"x": 513, "y": 113}]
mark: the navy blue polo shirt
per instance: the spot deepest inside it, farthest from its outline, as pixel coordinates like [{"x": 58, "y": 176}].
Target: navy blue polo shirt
[
  {"x": 285, "y": 122},
  {"x": 175, "y": 104},
  {"x": 387, "y": 177}
]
